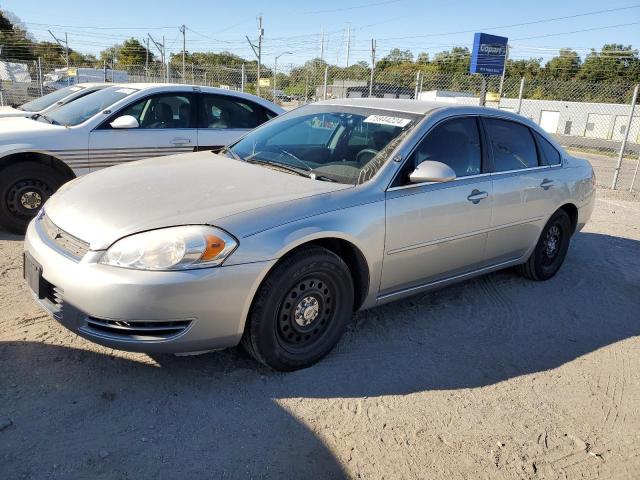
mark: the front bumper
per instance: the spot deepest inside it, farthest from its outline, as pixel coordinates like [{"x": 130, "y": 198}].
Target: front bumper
[{"x": 144, "y": 311}]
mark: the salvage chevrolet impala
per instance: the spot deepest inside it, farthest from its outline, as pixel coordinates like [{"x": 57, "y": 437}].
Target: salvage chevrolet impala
[{"x": 328, "y": 209}]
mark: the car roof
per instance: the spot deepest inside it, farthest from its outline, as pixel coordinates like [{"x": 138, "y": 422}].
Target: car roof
[
  {"x": 185, "y": 87},
  {"x": 393, "y": 104}
]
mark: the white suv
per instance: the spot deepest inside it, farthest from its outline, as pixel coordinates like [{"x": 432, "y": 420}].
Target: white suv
[{"x": 114, "y": 125}]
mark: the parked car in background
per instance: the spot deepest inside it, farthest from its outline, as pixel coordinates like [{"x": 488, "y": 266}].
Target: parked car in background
[
  {"x": 64, "y": 77},
  {"x": 326, "y": 210},
  {"x": 53, "y": 100},
  {"x": 117, "y": 124}
]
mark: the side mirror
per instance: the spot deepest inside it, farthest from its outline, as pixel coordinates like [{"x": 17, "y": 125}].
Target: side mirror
[
  {"x": 125, "y": 121},
  {"x": 429, "y": 171}
]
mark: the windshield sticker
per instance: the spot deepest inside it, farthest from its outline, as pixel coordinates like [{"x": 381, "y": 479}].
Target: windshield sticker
[
  {"x": 128, "y": 91},
  {"x": 385, "y": 120}
]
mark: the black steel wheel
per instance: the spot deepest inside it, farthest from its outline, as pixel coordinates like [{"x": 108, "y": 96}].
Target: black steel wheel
[
  {"x": 300, "y": 311},
  {"x": 24, "y": 188},
  {"x": 551, "y": 249}
]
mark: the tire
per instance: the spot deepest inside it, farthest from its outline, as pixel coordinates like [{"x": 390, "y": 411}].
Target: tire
[
  {"x": 24, "y": 188},
  {"x": 300, "y": 311},
  {"x": 551, "y": 249}
]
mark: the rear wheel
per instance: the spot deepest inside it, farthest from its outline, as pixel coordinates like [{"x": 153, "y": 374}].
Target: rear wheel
[
  {"x": 24, "y": 188},
  {"x": 300, "y": 311},
  {"x": 551, "y": 249}
]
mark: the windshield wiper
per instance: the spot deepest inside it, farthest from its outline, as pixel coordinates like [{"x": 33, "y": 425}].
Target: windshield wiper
[
  {"x": 226, "y": 150},
  {"x": 50, "y": 120},
  {"x": 280, "y": 165}
]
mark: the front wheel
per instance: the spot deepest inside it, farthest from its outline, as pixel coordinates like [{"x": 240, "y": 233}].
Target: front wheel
[
  {"x": 24, "y": 188},
  {"x": 300, "y": 311},
  {"x": 551, "y": 249}
]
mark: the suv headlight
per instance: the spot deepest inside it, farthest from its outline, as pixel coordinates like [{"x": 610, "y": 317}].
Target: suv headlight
[{"x": 173, "y": 248}]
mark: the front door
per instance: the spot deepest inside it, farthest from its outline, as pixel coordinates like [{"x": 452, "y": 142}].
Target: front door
[
  {"x": 166, "y": 127},
  {"x": 438, "y": 230}
]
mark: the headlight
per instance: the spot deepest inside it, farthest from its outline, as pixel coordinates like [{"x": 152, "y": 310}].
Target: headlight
[{"x": 174, "y": 248}]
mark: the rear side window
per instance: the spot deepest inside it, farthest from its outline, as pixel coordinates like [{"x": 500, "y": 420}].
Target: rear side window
[
  {"x": 512, "y": 145},
  {"x": 550, "y": 155},
  {"x": 224, "y": 112}
]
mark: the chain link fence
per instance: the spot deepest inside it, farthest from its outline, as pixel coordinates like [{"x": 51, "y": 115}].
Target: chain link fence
[{"x": 595, "y": 120}]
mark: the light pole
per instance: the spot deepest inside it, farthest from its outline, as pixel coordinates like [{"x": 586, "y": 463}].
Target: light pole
[{"x": 275, "y": 72}]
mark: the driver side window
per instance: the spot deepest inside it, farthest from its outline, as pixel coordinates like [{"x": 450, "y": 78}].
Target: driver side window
[
  {"x": 454, "y": 142},
  {"x": 161, "y": 111}
]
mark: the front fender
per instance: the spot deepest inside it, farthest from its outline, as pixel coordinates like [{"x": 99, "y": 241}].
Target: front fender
[{"x": 362, "y": 225}]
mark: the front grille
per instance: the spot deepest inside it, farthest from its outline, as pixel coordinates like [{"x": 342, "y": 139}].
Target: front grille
[
  {"x": 53, "y": 295},
  {"x": 65, "y": 241},
  {"x": 140, "y": 330}
]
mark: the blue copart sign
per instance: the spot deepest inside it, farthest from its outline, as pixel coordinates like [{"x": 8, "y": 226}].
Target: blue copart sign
[{"x": 489, "y": 54}]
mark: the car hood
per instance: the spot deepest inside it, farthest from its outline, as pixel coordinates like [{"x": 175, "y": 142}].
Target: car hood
[
  {"x": 194, "y": 188},
  {"x": 13, "y": 112},
  {"x": 23, "y": 129}
]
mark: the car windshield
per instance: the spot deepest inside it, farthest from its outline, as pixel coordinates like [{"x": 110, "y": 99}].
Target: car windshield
[
  {"x": 327, "y": 142},
  {"x": 46, "y": 101},
  {"x": 76, "y": 112}
]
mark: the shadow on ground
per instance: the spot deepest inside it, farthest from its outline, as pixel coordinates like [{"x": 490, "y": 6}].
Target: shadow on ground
[{"x": 218, "y": 415}]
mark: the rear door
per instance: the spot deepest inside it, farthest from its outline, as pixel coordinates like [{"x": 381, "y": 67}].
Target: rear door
[
  {"x": 526, "y": 187},
  {"x": 166, "y": 126},
  {"x": 222, "y": 119}
]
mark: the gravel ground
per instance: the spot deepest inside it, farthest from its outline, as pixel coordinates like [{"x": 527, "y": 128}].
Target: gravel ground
[{"x": 494, "y": 378}]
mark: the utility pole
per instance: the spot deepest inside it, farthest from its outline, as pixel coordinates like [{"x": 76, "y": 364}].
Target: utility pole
[
  {"x": 321, "y": 44},
  {"x": 65, "y": 45},
  {"x": 258, "y": 52},
  {"x": 160, "y": 48},
  {"x": 348, "y": 46},
  {"x": 184, "y": 48},
  {"x": 146, "y": 61},
  {"x": 373, "y": 65}
]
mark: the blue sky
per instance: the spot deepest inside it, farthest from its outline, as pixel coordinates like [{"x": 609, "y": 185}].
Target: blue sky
[{"x": 295, "y": 26}]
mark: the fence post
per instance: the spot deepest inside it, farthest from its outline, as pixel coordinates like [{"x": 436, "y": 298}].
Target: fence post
[
  {"x": 520, "y": 95},
  {"x": 624, "y": 139},
  {"x": 326, "y": 79},
  {"x": 417, "y": 92},
  {"x": 635, "y": 174},
  {"x": 40, "y": 79},
  {"x": 242, "y": 78},
  {"x": 483, "y": 90}
]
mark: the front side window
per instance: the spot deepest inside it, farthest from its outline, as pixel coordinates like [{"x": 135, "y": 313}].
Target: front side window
[
  {"x": 223, "y": 112},
  {"x": 84, "y": 108},
  {"x": 454, "y": 142},
  {"x": 161, "y": 111},
  {"x": 49, "y": 99},
  {"x": 512, "y": 145},
  {"x": 333, "y": 143}
]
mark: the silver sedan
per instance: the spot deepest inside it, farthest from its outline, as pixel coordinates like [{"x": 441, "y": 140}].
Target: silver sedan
[{"x": 331, "y": 208}]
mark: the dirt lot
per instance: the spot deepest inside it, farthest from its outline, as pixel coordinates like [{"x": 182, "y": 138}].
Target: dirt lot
[{"x": 494, "y": 378}]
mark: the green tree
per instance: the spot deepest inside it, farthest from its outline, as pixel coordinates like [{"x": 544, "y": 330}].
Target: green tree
[
  {"x": 564, "y": 66},
  {"x": 129, "y": 53}
]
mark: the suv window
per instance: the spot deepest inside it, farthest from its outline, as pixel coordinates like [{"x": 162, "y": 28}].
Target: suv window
[
  {"x": 161, "y": 111},
  {"x": 549, "y": 153},
  {"x": 220, "y": 111},
  {"x": 454, "y": 142},
  {"x": 512, "y": 144}
]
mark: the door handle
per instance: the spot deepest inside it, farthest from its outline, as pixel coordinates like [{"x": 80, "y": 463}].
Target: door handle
[
  {"x": 180, "y": 141},
  {"x": 476, "y": 196},
  {"x": 547, "y": 184}
]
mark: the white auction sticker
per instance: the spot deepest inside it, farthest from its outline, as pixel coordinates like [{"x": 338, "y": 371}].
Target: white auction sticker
[
  {"x": 128, "y": 91},
  {"x": 385, "y": 120}
]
